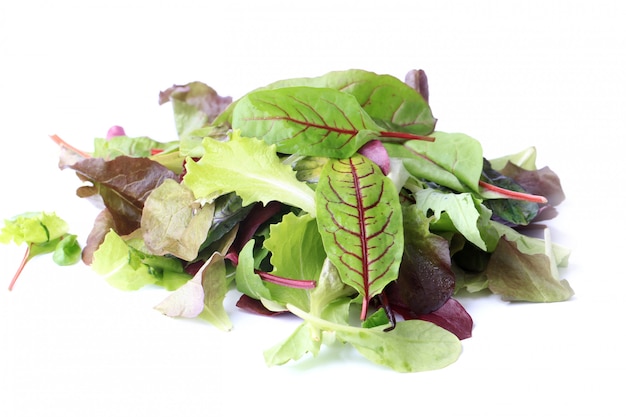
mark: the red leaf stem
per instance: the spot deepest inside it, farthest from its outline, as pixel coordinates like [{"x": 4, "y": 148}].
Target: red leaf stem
[
  {"x": 21, "y": 267},
  {"x": 516, "y": 195},
  {"x": 275, "y": 279},
  {"x": 406, "y": 136},
  {"x": 64, "y": 144},
  {"x": 286, "y": 282}
]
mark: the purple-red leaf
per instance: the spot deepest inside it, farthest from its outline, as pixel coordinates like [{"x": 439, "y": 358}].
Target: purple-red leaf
[{"x": 123, "y": 183}]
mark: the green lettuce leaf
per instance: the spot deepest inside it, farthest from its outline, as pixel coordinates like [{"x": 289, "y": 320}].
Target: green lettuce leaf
[
  {"x": 458, "y": 212},
  {"x": 250, "y": 168},
  {"x": 126, "y": 267}
]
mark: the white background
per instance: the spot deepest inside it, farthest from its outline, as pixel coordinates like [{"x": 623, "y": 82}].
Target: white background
[{"x": 548, "y": 74}]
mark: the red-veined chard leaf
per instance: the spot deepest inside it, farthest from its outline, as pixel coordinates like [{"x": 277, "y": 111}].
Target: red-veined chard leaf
[
  {"x": 306, "y": 121},
  {"x": 360, "y": 220},
  {"x": 387, "y": 100}
]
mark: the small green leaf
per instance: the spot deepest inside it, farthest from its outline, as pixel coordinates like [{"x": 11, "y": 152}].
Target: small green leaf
[
  {"x": 294, "y": 347},
  {"x": 33, "y": 227},
  {"x": 67, "y": 251}
]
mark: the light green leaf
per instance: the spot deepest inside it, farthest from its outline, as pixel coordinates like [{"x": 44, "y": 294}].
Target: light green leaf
[
  {"x": 128, "y": 268},
  {"x": 297, "y": 253},
  {"x": 33, "y": 227},
  {"x": 67, "y": 251},
  {"x": 115, "y": 261},
  {"x": 525, "y": 159},
  {"x": 248, "y": 282},
  {"x": 250, "y": 168},
  {"x": 294, "y": 347},
  {"x": 413, "y": 346},
  {"x": 457, "y": 153},
  {"x": 461, "y": 209}
]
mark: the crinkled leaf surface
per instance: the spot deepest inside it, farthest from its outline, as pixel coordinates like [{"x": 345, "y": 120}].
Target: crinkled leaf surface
[
  {"x": 360, "y": 220},
  {"x": 33, "y": 227},
  {"x": 124, "y": 183},
  {"x": 172, "y": 224},
  {"x": 250, "y": 168},
  {"x": 306, "y": 121}
]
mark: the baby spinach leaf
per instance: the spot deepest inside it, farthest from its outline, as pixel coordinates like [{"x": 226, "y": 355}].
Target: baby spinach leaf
[
  {"x": 111, "y": 148},
  {"x": 456, "y": 153},
  {"x": 360, "y": 220}
]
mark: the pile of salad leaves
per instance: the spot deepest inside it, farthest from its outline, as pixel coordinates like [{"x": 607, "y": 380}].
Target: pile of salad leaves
[{"x": 331, "y": 198}]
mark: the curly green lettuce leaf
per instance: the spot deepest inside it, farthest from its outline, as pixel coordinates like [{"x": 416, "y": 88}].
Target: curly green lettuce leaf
[
  {"x": 250, "y": 168},
  {"x": 42, "y": 233}
]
